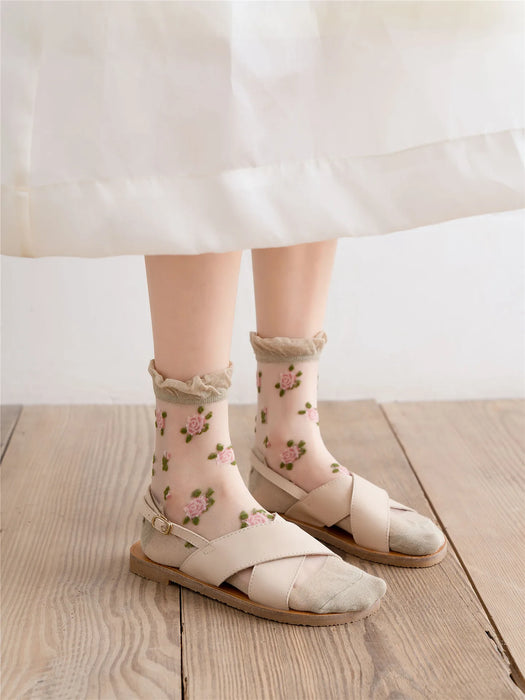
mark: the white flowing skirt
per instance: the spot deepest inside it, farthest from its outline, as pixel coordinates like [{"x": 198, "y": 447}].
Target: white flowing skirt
[{"x": 194, "y": 127}]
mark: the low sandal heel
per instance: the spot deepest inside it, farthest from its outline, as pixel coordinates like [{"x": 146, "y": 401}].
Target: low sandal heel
[{"x": 141, "y": 566}]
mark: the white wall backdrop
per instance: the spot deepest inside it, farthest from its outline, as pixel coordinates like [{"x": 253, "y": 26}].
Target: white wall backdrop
[{"x": 432, "y": 313}]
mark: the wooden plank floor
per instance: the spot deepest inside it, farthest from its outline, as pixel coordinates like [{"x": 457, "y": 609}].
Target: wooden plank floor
[{"x": 77, "y": 624}]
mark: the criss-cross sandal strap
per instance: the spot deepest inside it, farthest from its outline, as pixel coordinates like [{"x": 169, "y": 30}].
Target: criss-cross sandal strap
[
  {"x": 370, "y": 515},
  {"x": 351, "y": 495},
  {"x": 275, "y": 554},
  {"x": 246, "y": 547},
  {"x": 367, "y": 505}
]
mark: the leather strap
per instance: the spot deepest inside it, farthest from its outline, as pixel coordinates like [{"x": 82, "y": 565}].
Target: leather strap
[
  {"x": 370, "y": 515},
  {"x": 152, "y": 512},
  {"x": 367, "y": 505},
  {"x": 271, "y": 475},
  {"x": 325, "y": 505},
  {"x": 245, "y": 547},
  {"x": 276, "y": 555},
  {"x": 271, "y": 582}
]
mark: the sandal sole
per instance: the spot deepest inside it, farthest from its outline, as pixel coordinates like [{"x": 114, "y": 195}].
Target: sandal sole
[
  {"x": 141, "y": 565},
  {"x": 344, "y": 540}
]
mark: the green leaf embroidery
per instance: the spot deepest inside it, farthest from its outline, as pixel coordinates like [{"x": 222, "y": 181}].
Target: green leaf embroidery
[
  {"x": 186, "y": 519},
  {"x": 195, "y": 521},
  {"x": 243, "y": 515},
  {"x": 200, "y": 409},
  {"x": 213, "y": 455},
  {"x": 289, "y": 443},
  {"x": 308, "y": 405}
]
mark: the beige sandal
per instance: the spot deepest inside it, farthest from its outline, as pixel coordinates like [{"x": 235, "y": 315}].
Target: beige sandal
[
  {"x": 344, "y": 500},
  {"x": 275, "y": 549}
]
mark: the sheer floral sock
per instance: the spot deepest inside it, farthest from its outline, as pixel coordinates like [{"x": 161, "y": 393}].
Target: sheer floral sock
[
  {"x": 194, "y": 470},
  {"x": 287, "y": 430},
  {"x": 196, "y": 480}
]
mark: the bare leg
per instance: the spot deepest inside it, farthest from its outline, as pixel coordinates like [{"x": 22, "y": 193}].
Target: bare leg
[
  {"x": 192, "y": 302},
  {"x": 291, "y": 288}
]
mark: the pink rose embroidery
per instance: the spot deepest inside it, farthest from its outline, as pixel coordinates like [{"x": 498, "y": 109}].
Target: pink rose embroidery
[
  {"x": 310, "y": 412},
  {"x": 196, "y": 424},
  {"x": 160, "y": 420},
  {"x": 292, "y": 453},
  {"x": 288, "y": 380},
  {"x": 224, "y": 455},
  {"x": 257, "y": 517},
  {"x": 198, "y": 505}
]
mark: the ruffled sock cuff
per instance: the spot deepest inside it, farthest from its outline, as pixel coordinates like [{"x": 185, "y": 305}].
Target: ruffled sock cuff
[
  {"x": 203, "y": 388},
  {"x": 283, "y": 349}
]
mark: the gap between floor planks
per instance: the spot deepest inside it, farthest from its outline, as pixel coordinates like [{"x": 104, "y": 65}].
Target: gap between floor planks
[
  {"x": 77, "y": 623},
  {"x": 470, "y": 460}
]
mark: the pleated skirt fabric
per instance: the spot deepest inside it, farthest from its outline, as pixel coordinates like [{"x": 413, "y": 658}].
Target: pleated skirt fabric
[{"x": 194, "y": 127}]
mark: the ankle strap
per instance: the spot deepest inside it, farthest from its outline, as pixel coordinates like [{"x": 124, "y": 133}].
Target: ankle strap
[
  {"x": 259, "y": 463},
  {"x": 161, "y": 523}
]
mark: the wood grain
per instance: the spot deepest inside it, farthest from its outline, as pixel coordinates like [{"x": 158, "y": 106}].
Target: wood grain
[
  {"x": 9, "y": 416},
  {"x": 75, "y": 622},
  {"x": 470, "y": 459},
  {"x": 429, "y": 639}
]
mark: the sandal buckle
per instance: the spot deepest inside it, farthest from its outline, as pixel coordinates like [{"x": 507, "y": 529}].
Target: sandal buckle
[{"x": 165, "y": 527}]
